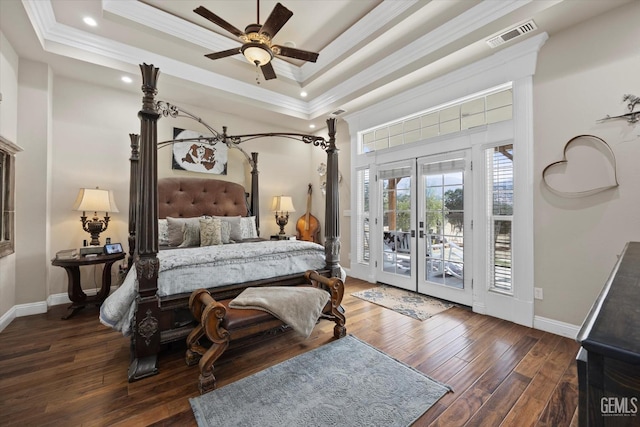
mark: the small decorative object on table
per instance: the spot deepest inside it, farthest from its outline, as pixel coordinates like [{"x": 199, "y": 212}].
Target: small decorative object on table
[{"x": 67, "y": 254}]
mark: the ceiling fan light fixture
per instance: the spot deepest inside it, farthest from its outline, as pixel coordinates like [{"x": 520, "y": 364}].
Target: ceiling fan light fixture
[{"x": 257, "y": 53}]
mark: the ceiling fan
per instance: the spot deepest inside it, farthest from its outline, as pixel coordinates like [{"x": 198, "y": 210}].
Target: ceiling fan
[{"x": 257, "y": 39}]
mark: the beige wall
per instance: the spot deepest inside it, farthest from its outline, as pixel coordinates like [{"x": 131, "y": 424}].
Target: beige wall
[
  {"x": 581, "y": 77},
  {"x": 33, "y": 182},
  {"x": 9, "y": 65}
]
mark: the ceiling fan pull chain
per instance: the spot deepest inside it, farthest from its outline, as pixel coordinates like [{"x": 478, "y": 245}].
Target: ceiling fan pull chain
[{"x": 257, "y": 73}]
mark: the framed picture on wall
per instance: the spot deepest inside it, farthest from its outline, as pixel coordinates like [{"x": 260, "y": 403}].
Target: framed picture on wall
[{"x": 199, "y": 154}]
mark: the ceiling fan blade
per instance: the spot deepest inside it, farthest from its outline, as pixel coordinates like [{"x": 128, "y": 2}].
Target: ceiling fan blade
[
  {"x": 207, "y": 14},
  {"x": 296, "y": 53},
  {"x": 223, "y": 54},
  {"x": 279, "y": 16},
  {"x": 268, "y": 72}
]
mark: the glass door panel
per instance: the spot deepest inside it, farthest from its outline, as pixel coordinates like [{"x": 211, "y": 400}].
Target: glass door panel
[
  {"x": 397, "y": 262},
  {"x": 442, "y": 227}
]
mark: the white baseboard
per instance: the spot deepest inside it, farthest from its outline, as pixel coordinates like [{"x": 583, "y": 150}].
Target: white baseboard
[
  {"x": 21, "y": 310},
  {"x": 57, "y": 299},
  {"x": 31, "y": 308},
  {"x": 7, "y": 318},
  {"x": 556, "y": 327},
  {"x": 40, "y": 307}
]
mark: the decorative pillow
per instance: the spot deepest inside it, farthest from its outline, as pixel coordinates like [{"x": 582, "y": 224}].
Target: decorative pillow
[
  {"x": 235, "y": 232},
  {"x": 211, "y": 232},
  {"x": 163, "y": 232},
  {"x": 248, "y": 227},
  {"x": 176, "y": 229},
  {"x": 190, "y": 235},
  {"x": 225, "y": 232}
]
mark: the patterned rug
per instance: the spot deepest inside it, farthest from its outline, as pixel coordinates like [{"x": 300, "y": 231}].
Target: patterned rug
[
  {"x": 343, "y": 383},
  {"x": 410, "y": 304}
]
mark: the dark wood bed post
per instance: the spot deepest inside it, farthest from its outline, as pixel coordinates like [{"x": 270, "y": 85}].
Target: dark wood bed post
[
  {"x": 332, "y": 205},
  {"x": 255, "y": 198},
  {"x": 146, "y": 330},
  {"x": 133, "y": 195}
]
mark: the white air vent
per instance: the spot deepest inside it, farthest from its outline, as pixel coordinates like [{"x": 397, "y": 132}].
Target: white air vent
[
  {"x": 338, "y": 112},
  {"x": 512, "y": 33}
]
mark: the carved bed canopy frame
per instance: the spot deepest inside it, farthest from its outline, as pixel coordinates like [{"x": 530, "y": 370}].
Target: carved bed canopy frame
[{"x": 143, "y": 211}]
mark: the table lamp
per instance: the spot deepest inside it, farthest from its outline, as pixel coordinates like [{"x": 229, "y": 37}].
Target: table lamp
[
  {"x": 282, "y": 206},
  {"x": 95, "y": 200}
]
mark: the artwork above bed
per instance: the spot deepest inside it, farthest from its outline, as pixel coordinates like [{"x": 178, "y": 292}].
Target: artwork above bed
[{"x": 202, "y": 156}]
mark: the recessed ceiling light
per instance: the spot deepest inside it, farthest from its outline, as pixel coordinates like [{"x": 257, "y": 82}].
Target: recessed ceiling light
[
  {"x": 126, "y": 79},
  {"x": 90, "y": 21},
  {"x": 303, "y": 94},
  {"x": 312, "y": 126}
]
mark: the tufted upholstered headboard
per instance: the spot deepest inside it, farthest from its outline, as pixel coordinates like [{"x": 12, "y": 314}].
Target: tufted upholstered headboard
[{"x": 192, "y": 197}]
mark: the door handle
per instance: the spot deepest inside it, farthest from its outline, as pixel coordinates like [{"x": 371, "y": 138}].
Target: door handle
[
  {"x": 413, "y": 233},
  {"x": 421, "y": 234}
]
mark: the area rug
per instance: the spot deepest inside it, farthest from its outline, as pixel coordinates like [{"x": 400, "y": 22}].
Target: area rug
[
  {"x": 410, "y": 304},
  {"x": 343, "y": 383}
]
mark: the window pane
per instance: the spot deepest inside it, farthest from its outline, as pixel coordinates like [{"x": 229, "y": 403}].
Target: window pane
[
  {"x": 396, "y": 129},
  {"x": 430, "y": 119},
  {"x": 430, "y": 132},
  {"x": 412, "y": 124},
  {"x": 450, "y": 127},
  {"x": 473, "y": 120},
  {"x": 395, "y": 141},
  {"x": 362, "y": 230},
  {"x": 499, "y": 99},
  {"x": 451, "y": 113},
  {"x": 474, "y": 106},
  {"x": 499, "y": 114},
  {"x": 502, "y": 254},
  {"x": 500, "y": 214}
]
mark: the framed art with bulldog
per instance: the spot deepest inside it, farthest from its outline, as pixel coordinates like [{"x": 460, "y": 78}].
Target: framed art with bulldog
[{"x": 198, "y": 156}]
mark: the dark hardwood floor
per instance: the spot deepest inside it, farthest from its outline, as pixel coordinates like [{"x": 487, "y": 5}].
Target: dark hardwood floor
[{"x": 74, "y": 372}]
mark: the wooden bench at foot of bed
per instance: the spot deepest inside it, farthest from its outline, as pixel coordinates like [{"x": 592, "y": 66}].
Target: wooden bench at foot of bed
[{"x": 222, "y": 324}]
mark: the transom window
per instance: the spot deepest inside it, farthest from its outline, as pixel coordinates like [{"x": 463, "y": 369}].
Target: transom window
[{"x": 490, "y": 106}]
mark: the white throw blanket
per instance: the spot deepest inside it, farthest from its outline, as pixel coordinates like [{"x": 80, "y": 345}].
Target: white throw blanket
[{"x": 298, "y": 307}]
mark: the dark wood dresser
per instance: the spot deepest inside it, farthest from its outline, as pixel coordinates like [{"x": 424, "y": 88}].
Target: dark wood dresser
[{"x": 609, "y": 358}]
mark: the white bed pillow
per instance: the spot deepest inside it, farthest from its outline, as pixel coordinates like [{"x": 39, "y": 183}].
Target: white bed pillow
[
  {"x": 235, "y": 230},
  {"x": 248, "y": 227}
]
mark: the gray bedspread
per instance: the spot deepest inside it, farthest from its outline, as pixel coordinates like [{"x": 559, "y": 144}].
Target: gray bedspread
[{"x": 184, "y": 270}]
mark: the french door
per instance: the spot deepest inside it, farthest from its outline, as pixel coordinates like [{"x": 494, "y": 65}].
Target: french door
[
  {"x": 397, "y": 222},
  {"x": 425, "y": 235}
]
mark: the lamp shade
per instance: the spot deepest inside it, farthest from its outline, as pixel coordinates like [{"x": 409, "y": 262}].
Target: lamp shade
[
  {"x": 282, "y": 204},
  {"x": 95, "y": 200},
  {"x": 257, "y": 53}
]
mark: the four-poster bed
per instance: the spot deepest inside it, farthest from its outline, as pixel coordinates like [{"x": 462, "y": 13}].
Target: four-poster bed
[{"x": 158, "y": 316}]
